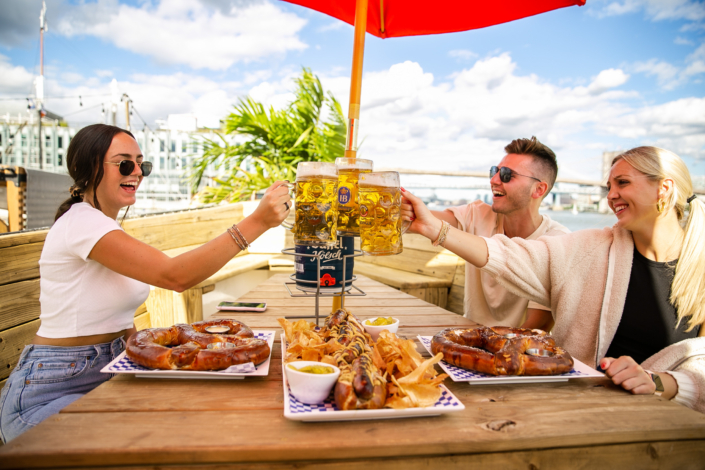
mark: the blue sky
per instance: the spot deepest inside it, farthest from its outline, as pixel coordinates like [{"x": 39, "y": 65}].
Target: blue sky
[{"x": 606, "y": 76}]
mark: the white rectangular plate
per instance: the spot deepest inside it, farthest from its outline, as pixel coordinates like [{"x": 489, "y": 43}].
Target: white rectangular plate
[
  {"x": 580, "y": 371},
  {"x": 123, "y": 365},
  {"x": 327, "y": 411}
]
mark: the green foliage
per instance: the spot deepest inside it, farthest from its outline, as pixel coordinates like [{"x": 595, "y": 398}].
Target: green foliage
[{"x": 277, "y": 140}]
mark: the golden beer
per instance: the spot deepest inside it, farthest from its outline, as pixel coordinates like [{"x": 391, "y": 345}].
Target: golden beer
[
  {"x": 316, "y": 210},
  {"x": 381, "y": 225},
  {"x": 349, "y": 170},
  {"x": 315, "y": 204}
]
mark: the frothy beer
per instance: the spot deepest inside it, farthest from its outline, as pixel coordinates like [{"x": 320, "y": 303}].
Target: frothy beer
[
  {"x": 316, "y": 204},
  {"x": 349, "y": 170},
  {"x": 380, "y": 213}
]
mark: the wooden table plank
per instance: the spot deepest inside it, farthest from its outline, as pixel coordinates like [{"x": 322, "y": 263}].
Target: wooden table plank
[
  {"x": 685, "y": 455},
  {"x": 250, "y": 436}
]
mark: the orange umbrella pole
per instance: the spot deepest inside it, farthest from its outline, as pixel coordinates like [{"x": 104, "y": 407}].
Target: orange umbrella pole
[{"x": 356, "y": 78}]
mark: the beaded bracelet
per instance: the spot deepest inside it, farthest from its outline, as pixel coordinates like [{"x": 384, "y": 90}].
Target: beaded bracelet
[
  {"x": 244, "y": 240},
  {"x": 442, "y": 234},
  {"x": 237, "y": 240},
  {"x": 442, "y": 239}
]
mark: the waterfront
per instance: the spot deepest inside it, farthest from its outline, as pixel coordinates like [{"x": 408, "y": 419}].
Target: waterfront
[
  {"x": 573, "y": 221},
  {"x": 582, "y": 220}
]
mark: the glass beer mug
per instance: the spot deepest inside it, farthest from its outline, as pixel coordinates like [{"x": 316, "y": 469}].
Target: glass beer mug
[
  {"x": 315, "y": 204},
  {"x": 349, "y": 170},
  {"x": 381, "y": 225}
]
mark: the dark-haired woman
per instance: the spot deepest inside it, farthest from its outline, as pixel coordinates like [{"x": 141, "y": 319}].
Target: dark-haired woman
[{"x": 94, "y": 276}]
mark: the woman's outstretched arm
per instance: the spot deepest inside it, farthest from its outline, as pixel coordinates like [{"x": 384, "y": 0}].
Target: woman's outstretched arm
[
  {"x": 471, "y": 248},
  {"x": 130, "y": 257}
]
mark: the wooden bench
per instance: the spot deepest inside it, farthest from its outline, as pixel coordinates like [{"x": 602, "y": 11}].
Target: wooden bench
[
  {"x": 422, "y": 270},
  {"x": 172, "y": 233}
]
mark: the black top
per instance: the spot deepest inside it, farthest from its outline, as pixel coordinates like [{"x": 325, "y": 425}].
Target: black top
[{"x": 648, "y": 322}]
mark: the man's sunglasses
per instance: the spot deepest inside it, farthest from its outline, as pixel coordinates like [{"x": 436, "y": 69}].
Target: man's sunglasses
[
  {"x": 505, "y": 174},
  {"x": 126, "y": 167}
]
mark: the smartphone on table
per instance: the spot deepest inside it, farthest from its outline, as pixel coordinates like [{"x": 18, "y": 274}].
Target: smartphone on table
[{"x": 243, "y": 306}]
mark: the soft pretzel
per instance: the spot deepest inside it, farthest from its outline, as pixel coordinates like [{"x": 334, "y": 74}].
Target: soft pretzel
[
  {"x": 501, "y": 351},
  {"x": 191, "y": 347}
]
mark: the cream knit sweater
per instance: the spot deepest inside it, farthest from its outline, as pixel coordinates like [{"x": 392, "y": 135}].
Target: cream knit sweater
[{"x": 583, "y": 276}]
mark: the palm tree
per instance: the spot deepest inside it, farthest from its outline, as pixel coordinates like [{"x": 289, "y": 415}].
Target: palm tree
[{"x": 277, "y": 140}]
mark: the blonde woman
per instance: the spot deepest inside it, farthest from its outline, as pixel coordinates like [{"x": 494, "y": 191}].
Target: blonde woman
[{"x": 629, "y": 299}]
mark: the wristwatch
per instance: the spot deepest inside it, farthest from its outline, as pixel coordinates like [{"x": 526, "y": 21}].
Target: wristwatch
[{"x": 658, "y": 383}]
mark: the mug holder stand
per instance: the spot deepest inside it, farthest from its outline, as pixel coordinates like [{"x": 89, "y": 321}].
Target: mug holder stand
[{"x": 318, "y": 294}]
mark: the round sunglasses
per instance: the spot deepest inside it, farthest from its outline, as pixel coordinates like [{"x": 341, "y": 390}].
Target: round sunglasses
[
  {"x": 126, "y": 167},
  {"x": 505, "y": 174}
]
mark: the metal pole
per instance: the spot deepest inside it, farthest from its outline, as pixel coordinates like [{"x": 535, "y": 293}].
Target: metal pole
[
  {"x": 127, "y": 112},
  {"x": 41, "y": 147},
  {"x": 40, "y": 84}
]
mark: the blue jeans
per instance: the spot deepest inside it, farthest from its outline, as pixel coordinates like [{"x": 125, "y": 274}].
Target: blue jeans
[{"x": 49, "y": 378}]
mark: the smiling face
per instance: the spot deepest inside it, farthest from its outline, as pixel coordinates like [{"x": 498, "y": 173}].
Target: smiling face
[
  {"x": 515, "y": 194},
  {"x": 632, "y": 196},
  {"x": 116, "y": 191}
]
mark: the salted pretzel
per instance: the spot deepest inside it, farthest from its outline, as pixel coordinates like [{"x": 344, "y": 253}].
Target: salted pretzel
[
  {"x": 192, "y": 347},
  {"x": 502, "y": 350}
]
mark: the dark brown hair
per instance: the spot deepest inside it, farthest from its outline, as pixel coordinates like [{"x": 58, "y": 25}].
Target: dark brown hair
[
  {"x": 84, "y": 160},
  {"x": 543, "y": 155}
]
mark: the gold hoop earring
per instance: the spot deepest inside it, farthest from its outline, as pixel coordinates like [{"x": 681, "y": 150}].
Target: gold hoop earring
[{"x": 660, "y": 205}]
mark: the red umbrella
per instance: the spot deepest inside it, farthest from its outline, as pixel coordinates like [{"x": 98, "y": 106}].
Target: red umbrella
[{"x": 395, "y": 18}]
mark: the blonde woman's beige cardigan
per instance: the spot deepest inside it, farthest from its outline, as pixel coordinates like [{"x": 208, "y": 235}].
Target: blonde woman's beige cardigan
[{"x": 583, "y": 276}]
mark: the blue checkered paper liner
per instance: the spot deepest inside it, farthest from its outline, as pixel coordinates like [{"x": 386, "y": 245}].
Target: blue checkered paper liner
[
  {"x": 123, "y": 365},
  {"x": 447, "y": 400},
  {"x": 464, "y": 375},
  {"x": 327, "y": 411}
]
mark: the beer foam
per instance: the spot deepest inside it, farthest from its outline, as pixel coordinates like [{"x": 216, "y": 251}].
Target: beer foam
[
  {"x": 389, "y": 179},
  {"x": 316, "y": 169},
  {"x": 344, "y": 163}
]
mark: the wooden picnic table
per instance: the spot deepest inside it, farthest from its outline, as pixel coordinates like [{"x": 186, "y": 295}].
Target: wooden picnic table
[{"x": 140, "y": 423}]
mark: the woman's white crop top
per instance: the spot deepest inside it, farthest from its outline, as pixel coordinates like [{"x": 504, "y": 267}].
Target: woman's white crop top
[{"x": 79, "y": 296}]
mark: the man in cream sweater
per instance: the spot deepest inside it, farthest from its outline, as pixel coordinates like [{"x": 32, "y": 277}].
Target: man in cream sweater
[{"x": 519, "y": 183}]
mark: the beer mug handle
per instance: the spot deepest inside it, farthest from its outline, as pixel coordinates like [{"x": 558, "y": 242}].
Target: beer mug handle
[
  {"x": 291, "y": 186},
  {"x": 405, "y": 224}
]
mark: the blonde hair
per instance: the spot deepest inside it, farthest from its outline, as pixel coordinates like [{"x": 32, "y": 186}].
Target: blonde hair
[{"x": 688, "y": 286}]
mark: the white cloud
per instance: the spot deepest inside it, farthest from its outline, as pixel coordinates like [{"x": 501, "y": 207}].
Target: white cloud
[
  {"x": 656, "y": 10},
  {"x": 410, "y": 120},
  {"x": 681, "y": 41},
  {"x": 258, "y": 76},
  {"x": 188, "y": 31},
  {"x": 677, "y": 125},
  {"x": 333, "y": 26},
  {"x": 669, "y": 76},
  {"x": 15, "y": 78},
  {"x": 607, "y": 79},
  {"x": 462, "y": 54},
  {"x": 104, "y": 73}
]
